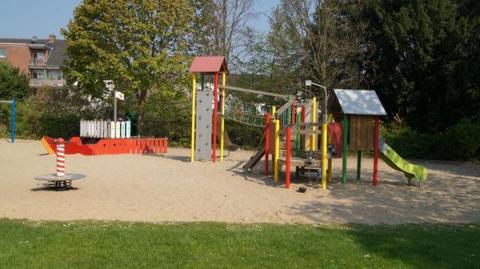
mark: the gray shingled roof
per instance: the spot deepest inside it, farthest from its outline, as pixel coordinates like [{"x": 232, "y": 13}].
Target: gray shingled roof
[
  {"x": 22, "y": 40},
  {"x": 58, "y": 53},
  {"x": 360, "y": 102}
]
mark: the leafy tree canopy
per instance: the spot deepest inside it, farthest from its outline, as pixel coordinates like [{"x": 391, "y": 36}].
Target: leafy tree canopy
[
  {"x": 139, "y": 44},
  {"x": 424, "y": 59},
  {"x": 13, "y": 83}
]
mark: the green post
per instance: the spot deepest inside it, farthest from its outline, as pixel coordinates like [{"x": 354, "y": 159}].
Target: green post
[
  {"x": 297, "y": 138},
  {"x": 359, "y": 164},
  {"x": 344, "y": 149},
  {"x": 289, "y": 114}
]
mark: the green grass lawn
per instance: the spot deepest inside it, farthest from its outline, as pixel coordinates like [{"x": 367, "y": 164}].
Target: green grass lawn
[{"x": 27, "y": 244}]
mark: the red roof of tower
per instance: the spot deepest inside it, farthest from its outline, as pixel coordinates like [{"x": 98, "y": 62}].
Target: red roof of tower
[{"x": 208, "y": 64}]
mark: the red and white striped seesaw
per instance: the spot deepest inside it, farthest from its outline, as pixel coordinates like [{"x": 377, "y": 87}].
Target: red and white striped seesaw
[{"x": 60, "y": 180}]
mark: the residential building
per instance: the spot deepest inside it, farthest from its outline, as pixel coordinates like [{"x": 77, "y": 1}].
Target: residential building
[{"x": 40, "y": 59}]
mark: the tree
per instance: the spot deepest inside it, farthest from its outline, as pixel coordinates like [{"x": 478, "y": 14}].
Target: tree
[
  {"x": 13, "y": 83},
  {"x": 139, "y": 44},
  {"x": 318, "y": 40},
  {"x": 424, "y": 60},
  {"x": 222, "y": 28}
]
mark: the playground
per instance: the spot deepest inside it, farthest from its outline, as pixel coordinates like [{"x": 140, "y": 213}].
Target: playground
[{"x": 170, "y": 188}]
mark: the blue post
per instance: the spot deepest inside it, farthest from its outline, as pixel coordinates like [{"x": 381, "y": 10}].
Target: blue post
[{"x": 12, "y": 124}]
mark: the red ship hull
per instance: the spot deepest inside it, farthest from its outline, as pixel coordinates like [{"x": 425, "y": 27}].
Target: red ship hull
[{"x": 110, "y": 146}]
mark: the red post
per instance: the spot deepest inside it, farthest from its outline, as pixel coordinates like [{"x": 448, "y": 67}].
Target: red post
[
  {"x": 215, "y": 108},
  {"x": 267, "y": 141},
  {"x": 375, "y": 151},
  {"x": 287, "y": 163}
]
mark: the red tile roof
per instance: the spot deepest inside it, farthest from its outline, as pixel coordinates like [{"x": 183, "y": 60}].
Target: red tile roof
[{"x": 208, "y": 64}]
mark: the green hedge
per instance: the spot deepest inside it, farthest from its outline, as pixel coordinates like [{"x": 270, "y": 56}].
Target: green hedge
[
  {"x": 247, "y": 137},
  {"x": 460, "y": 142},
  {"x": 54, "y": 113}
]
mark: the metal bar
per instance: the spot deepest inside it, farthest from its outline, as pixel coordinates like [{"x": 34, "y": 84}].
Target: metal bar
[{"x": 255, "y": 92}]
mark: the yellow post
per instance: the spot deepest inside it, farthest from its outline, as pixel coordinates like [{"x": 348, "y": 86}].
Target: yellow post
[
  {"x": 222, "y": 124},
  {"x": 274, "y": 110},
  {"x": 324, "y": 156},
  {"x": 277, "y": 151},
  {"x": 313, "y": 137},
  {"x": 194, "y": 94}
]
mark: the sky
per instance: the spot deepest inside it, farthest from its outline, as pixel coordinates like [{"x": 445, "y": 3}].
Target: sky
[{"x": 27, "y": 18}]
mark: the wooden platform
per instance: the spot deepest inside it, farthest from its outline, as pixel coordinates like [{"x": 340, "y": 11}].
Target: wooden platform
[{"x": 300, "y": 162}]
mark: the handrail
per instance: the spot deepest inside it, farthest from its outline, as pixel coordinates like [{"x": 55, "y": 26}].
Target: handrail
[{"x": 285, "y": 107}]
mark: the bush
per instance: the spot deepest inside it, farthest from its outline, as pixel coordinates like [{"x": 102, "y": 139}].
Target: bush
[
  {"x": 247, "y": 137},
  {"x": 168, "y": 114},
  {"x": 13, "y": 83},
  {"x": 52, "y": 111},
  {"x": 460, "y": 142}
]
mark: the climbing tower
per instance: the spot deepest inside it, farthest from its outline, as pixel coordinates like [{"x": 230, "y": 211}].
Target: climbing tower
[{"x": 208, "y": 107}]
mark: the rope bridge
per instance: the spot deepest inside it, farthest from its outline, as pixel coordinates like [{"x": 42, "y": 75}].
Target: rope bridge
[{"x": 248, "y": 113}]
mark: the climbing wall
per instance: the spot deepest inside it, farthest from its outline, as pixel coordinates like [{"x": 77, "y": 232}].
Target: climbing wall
[{"x": 203, "y": 130}]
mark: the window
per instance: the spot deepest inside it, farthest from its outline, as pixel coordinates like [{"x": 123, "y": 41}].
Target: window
[
  {"x": 3, "y": 53},
  {"x": 37, "y": 75},
  {"x": 38, "y": 55},
  {"x": 55, "y": 75}
]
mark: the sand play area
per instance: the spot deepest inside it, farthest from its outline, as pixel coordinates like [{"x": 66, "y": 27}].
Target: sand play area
[{"x": 168, "y": 188}]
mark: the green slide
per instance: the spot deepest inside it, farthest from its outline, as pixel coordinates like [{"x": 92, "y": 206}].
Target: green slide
[{"x": 398, "y": 163}]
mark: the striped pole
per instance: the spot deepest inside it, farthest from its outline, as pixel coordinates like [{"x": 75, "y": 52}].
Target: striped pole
[{"x": 60, "y": 157}]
